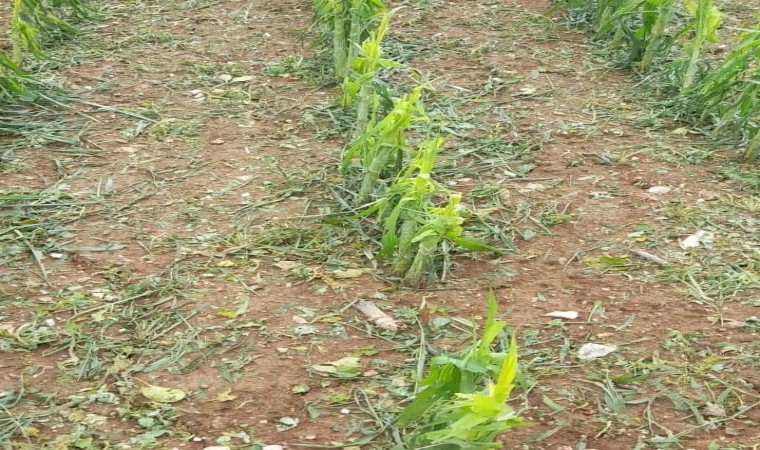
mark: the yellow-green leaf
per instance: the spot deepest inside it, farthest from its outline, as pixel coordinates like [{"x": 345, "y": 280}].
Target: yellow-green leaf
[{"x": 161, "y": 394}]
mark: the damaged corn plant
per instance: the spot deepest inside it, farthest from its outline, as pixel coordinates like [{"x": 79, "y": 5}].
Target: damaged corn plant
[
  {"x": 420, "y": 221},
  {"x": 462, "y": 402},
  {"x": 343, "y": 25},
  {"x": 727, "y": 95},
  {"x": 671, "y": 35},
  {"x": 361, "y": 85},
  {"x": 380, "y": 148},
  {"x": 643, "y": 30},
  {"x": 416, "y": 234},
  {"x": 32, "y": 23}
]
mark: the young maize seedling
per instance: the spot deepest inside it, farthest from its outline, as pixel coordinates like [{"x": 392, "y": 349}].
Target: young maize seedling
[
  {"x": 450, "y": 411},
  {"x": 706, "y": 23},
  {"x": 438, "y": 225},
  {"x": 382, "y": 145}
]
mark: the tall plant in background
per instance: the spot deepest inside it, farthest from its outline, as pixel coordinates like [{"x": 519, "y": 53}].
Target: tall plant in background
[
  {"x": 345, "y": 24},
  {"x": 725, "y": 93},
  {"x": 705, "y": 24},
  {"x": 451, "y": 409},
  {"x": 644, "y": 29},
  {"x": 31, "y": 22},
  {"x": 730, "y": 93}
]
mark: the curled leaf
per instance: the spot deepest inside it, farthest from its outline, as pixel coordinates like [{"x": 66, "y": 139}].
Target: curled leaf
[{"x": 162, "y": 394}]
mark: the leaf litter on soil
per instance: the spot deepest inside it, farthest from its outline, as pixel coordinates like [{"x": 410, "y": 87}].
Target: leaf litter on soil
[{"x": 139, "y": 291}]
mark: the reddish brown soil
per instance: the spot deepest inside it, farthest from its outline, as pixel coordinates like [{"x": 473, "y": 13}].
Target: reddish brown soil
[{"x": 246, "y": 168}]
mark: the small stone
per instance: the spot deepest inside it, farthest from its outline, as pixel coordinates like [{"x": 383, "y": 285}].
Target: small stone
[
  {"x": 217, "y": 447},
  {"x": 217, "y": 142},
  {"x": 272, "y": 447},
  {"x": 659, "y": 189},
  {"x": 345, "y": 411},
  {"x": 570, "y": 315},
  {"x": 310, "y": 437}
]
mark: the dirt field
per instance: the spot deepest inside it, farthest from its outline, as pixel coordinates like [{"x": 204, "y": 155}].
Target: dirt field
[{"x": 177, "y": 238}]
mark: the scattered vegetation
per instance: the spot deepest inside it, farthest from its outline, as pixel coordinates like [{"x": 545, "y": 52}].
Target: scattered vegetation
[
  {"x": 32, "y": 23},
  {"x": 669, "y": 37},
  {"x": 452, "y": 409},
  {"x": 172, "y": 275}
]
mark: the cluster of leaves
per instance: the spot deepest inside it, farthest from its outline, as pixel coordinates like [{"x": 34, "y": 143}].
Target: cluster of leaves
[
  {"x": 452, "y": 410},
  {"x": 413, "y": 227},
  {"x": 33, "y": 21},
  {"x": 395, "y": 189},
  {"x": 671, "y": 35}
]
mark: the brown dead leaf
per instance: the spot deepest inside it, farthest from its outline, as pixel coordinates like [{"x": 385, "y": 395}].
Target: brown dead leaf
[
  {"x": 349, "y": 273},
  {"x": 713, "y": 410}
]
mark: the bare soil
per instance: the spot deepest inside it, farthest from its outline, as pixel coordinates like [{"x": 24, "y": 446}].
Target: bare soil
[{"x": 185, "y": 244}]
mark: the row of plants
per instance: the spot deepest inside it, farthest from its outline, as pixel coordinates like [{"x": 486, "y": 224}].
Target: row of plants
[
  {"x": 672, "y": 38},
  {"x": 388, "y": 166},
  {"x": 32, "y": 24},
  {"x": 391, "y": 154}
]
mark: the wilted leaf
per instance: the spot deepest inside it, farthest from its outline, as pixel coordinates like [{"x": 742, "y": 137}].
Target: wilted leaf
[
  {"x": 713, "y": 410},
  {"x": 606, "y": 262},
  {"x": 350, "y": 273},
  {"x": 286, "y": 423},
  {"x": 226, "y": 396},
  {"x": 300, "y": 389},
  {"x": 659, "y": 189},
  {"x": 286, "y": 265},
  {"x": 697, "y": 238},
  {"x": 161, "y": 394},
  {"x": 342, "y": 368}
]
